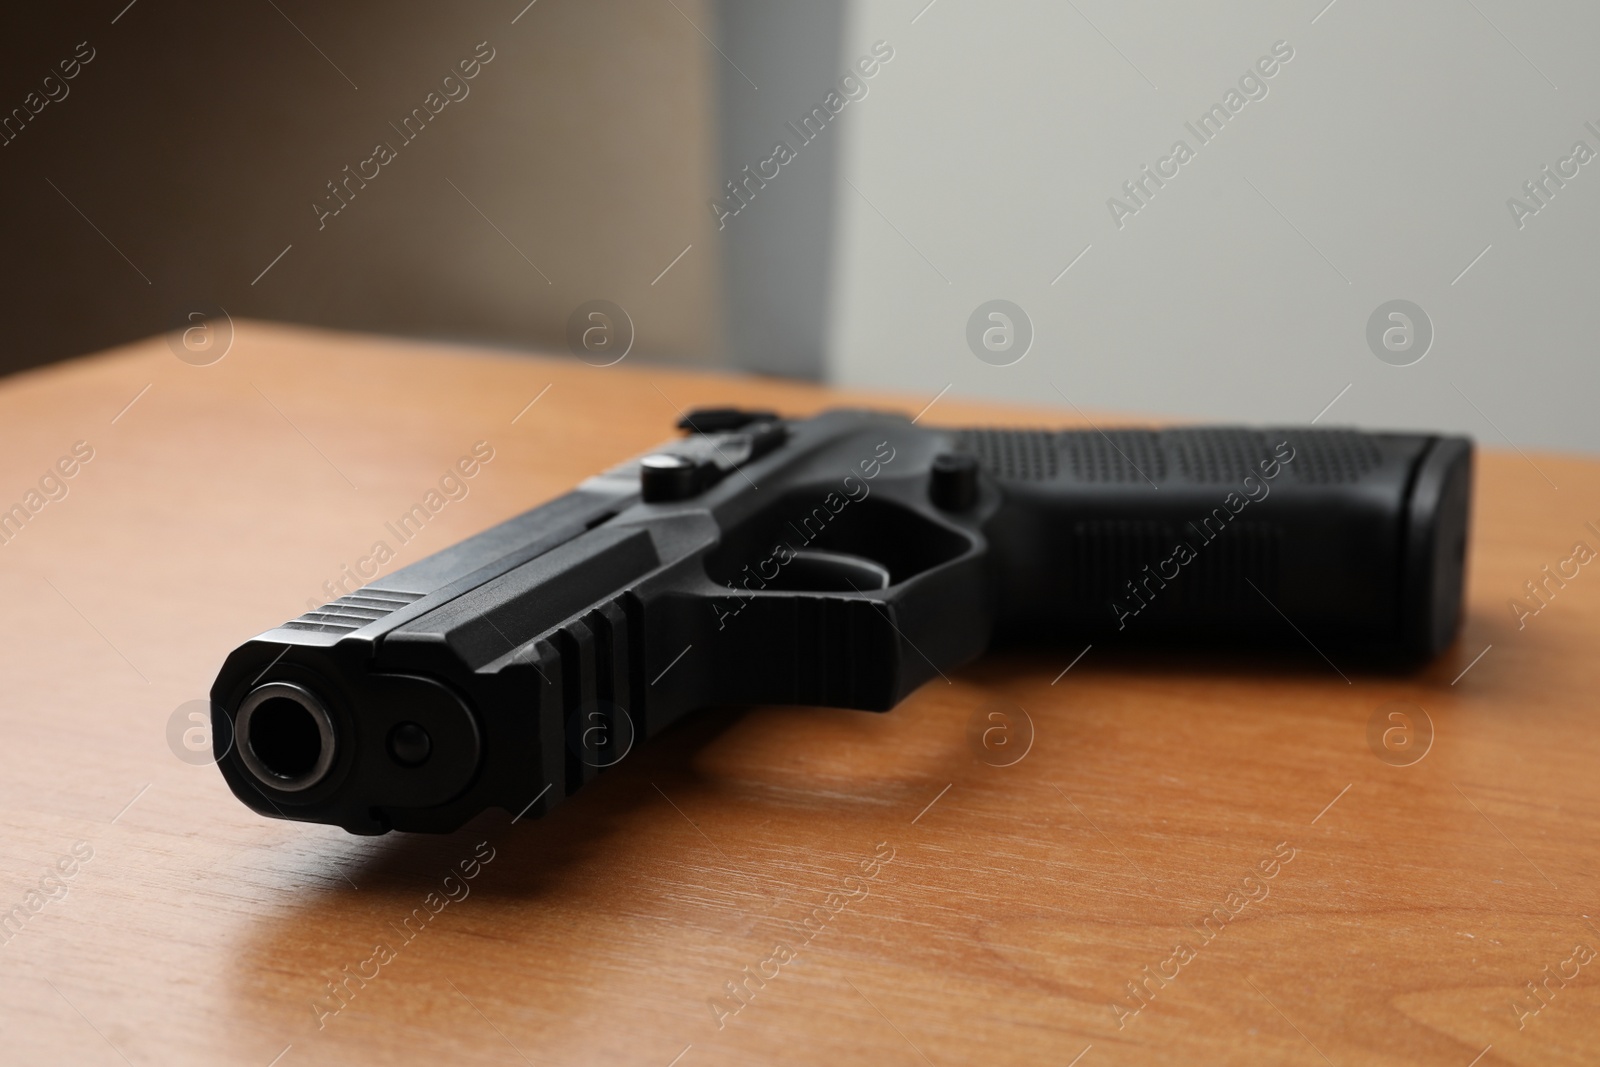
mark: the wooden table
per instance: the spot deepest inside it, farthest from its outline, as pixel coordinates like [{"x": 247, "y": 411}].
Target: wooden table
[{"x": 1005, "y": 910}]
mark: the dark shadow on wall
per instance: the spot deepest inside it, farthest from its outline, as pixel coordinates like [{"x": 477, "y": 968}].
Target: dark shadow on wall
[
  {"x": 193, "y": 153},
  {"x": 777, "y": 249}
]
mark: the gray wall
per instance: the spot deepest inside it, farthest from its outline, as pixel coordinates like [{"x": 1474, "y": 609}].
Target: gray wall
[
  {"x": 776, "y": 235},
  {"x": 1378, "y": 166},
  {"x": 975, "y": 165}
]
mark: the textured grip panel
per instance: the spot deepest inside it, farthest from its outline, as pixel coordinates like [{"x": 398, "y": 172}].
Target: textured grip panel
[
  {"x": 1217, "y": 457},
  {"x": 1114, "y": 457},
  {"x": 1015, "y": 455},
  {"x": 1210, "y": 456},
  {"x": 1105, "y": 555},
  {"x": 1219, "y": 531},
  {"x": 1332, "y": 457}
]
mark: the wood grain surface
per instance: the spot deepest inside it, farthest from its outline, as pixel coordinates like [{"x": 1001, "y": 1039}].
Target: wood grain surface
[{"x": 872, "y": 886}]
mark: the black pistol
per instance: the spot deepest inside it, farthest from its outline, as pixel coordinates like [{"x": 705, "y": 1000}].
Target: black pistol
[{"x": 840, "y": 560}]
